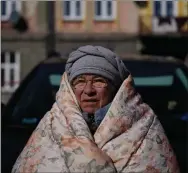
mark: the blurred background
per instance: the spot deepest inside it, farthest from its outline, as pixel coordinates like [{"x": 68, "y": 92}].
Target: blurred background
[
  {"x": 36, "y": 37},
  {"x": 36, "y": 28}
]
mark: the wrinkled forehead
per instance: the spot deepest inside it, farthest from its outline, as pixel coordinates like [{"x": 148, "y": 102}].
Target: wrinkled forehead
[{"x": 89, "y": 76}]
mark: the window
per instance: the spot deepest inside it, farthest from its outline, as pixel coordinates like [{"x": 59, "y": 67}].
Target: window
[
  {"x": 169, "y": 8},
  {"x": 154, "y": 81},
  {"x": 157, "y": 8},
  {"x": 55, "y": 79},
  {"x": 73, "y": 10},
  {"x": 10, "y": 71},
  {"x": 165, "y": 8},
  {"x": 105, "y": 9},
  {"x": 7, "y": 7},
  {"x": 181, "y": 75}
]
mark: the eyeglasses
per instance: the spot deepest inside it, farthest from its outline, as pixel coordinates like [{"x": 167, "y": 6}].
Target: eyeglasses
[{"x": 98, "y": 82}]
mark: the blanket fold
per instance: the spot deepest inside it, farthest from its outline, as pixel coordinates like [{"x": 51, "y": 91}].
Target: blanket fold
[{"x": 129, "y": 138}]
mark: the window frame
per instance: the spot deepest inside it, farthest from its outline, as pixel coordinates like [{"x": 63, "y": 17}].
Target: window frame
[
  {"x": 73, "y": 16},
  {"x": 8, "y": 67},
  {"x": 164, "y": 11},
  {"x": 104, "y": 16},
  {"x": 8, "y": 9}
]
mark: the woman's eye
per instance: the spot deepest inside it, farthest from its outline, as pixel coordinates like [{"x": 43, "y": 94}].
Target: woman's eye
[
  {"x": 100, "y": 80},
  {"x": 79, "y": 81},
  {"x": 99, "y": 83}
]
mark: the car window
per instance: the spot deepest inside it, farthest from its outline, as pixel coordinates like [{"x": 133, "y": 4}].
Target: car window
[
  {"x": 154, "y": 81},
  {"x": 55, "y": 79},
  {"x": 183, "y": 78}
]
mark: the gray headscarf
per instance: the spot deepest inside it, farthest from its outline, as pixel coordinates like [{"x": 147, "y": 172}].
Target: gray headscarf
[{"x": 96, "y": 60}]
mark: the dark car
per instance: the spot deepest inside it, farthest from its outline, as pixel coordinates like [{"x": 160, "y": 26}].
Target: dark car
[
  {"x": 163, "y": 84},
  {"x": 2, "y": 107}
]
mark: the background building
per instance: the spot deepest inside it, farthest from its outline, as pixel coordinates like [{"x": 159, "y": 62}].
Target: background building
[
  {"x": 162, "y": 17},
  {"x": 43, "y": 26},
  {"x": 164, "y": 28}
]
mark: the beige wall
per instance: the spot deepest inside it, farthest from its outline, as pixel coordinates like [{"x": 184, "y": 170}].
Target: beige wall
[
  {"x": 126, "y": 20},
  {"x": 35, "y": 13},
  {"x": 128, "y": 17},
  {"x": 29, "y": 11}
]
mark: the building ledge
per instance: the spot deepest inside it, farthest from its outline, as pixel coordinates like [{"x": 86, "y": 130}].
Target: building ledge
[
  {"x": 16, "y": 36},
  {"x": 96, "y": 36},
  {"x": 85, "y": 36}
]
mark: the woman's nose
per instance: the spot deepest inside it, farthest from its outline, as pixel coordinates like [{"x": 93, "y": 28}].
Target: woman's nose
[{"x": 89, "y": 90}]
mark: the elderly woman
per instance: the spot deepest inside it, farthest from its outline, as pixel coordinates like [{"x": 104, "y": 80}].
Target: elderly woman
[{"x": 98, "y": 123}]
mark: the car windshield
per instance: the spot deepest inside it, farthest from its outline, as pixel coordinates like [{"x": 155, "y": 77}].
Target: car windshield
[{"x": 165, "y": 92}]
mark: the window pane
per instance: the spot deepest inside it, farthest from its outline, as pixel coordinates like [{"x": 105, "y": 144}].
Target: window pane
[
  {"x": 157, "y": 8},
  {"x": 154, "y": 81},
  {"x": 12, "y": 77},
  {"x": 98, "y": 8},
  {"x": 78, "y": 8},
  {"x": 3, "y": 7},
  {"x": 181, "y": 75},
  {"x": 66, "y": 6},
  {"x": 2, "y": 77},
  {"x": 12, "y": 57},
  {"x": 55, "y": 79},
  {"x": 169, "y": 8},
  {"x": 109, "y": 8},
  {"x": 13, "y": 6},
  {"x": 2, "y": 57}
]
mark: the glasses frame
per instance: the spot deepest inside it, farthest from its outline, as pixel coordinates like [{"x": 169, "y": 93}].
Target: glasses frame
[{"x": 82, "y": 88}]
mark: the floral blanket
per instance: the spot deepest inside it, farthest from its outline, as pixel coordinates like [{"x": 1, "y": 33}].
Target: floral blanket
[{"x": 129, "y": 138}]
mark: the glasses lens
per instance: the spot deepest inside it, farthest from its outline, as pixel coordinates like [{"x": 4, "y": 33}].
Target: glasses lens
[
  {"x": 99, "y": 83},
  {"x": 79, "y": 83}
]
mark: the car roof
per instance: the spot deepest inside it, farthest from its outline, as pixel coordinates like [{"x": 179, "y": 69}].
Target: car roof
[
  {"x": 150, "y": 58},
  {"x": 126, "y": 57},
  {"x": 54, "y": 60}
]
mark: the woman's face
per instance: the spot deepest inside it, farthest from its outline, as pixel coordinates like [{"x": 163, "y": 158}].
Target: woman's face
[{"x": 92, "y": 92}]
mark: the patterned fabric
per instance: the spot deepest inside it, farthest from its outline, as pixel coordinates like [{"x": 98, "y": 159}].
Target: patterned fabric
[{"x": 129, "y": 138}]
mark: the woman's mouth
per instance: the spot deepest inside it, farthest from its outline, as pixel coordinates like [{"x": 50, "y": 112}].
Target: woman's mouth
[{"x": 90, "y": 100}]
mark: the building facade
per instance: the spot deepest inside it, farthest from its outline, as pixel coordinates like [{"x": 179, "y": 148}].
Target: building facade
[
  {"x": 112, "y": 23},
  {"x": 163, "y": 17},
  {"x": 115, "y": 24},
  {"x": 97, "y": 16}
]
